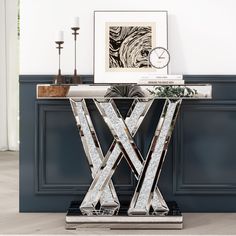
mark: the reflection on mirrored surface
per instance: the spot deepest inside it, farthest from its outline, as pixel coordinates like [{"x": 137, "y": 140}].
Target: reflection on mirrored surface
[{"x": 130, "y": 91}]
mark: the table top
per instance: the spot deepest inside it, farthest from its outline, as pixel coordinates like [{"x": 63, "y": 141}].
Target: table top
[{"x": 124, "y": 91}]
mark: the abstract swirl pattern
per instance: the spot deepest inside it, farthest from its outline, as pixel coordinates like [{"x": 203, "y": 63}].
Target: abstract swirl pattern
[{"x": 129, "y": 46}]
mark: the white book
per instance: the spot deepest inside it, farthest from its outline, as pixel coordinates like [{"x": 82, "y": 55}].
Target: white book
[
  {"x": 161, "y": 82},
  {"x": 161, "y": 77}
]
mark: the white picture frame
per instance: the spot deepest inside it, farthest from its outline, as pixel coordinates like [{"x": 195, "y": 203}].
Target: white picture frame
[{"x": 122, "y": 41}]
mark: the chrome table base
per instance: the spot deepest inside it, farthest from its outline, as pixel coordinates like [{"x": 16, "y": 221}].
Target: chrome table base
[
  {"x": 147, "y": 199},
  {"x": 75, "y": 220}
]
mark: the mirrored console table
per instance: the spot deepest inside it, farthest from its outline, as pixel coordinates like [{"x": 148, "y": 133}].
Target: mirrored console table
[{"x": 100, "y": 206}]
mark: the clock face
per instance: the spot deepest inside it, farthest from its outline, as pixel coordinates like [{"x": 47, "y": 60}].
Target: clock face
[{"x": 159, "y": 57}]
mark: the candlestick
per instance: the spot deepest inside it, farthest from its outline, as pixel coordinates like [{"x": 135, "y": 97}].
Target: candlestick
[
  {"x": 59, "y": 79},
  {"x": 75, "y": 29}
]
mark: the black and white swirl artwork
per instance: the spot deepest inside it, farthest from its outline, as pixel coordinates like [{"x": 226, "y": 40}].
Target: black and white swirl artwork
[{"x": 129, "y": 46}]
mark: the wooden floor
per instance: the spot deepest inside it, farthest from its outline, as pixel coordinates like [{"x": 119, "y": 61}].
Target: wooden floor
[{"x": 13, "y": 222}]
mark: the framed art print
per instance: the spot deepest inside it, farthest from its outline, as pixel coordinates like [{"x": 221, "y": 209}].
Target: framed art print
[{"x": 122, "y": 42}]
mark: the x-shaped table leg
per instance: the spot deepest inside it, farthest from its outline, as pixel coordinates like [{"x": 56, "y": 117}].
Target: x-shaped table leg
[
  {"x": 134, "y": 119},
  {"x": 143, "y": 196},
  {"x": 109, "y": 201},
  {"x": 126, "y": 144}
]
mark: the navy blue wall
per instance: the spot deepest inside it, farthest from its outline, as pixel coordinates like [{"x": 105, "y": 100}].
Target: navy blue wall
[{"x": 200, "y": 168}]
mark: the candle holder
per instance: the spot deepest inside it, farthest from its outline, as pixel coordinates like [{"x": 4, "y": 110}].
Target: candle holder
[
  {"x": 75, "y": 78},
  {"x": 59, "y": 79}
]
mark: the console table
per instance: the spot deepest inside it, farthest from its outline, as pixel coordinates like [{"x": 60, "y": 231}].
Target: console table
[{"x": 148, "y": 208}]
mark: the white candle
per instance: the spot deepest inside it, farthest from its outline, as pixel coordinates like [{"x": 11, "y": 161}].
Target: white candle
[
  {"x": 60, "y": 36},
  {"x": 76, "y": 22}
]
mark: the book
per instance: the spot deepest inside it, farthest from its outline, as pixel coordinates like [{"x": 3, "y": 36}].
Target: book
[
  {"x": 161, "y": 77},
  {"x": 161, "y": 82}
]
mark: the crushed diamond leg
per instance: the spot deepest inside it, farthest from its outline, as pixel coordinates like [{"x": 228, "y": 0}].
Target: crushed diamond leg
[
  {"x": 158, "y": 203},
  {"x": 109, "y": 201},
  {"x": 121, "y": 132},
  {"x": 142, "y": 198},
  {"x": 114, "y": 155},
  {"x": 133, "y": 121}
]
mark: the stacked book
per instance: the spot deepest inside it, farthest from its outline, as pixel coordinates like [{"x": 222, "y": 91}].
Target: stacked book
[{"x": 162, "y": 79}]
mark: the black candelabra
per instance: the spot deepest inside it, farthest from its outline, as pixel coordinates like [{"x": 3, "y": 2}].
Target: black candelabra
[
  {"x": 75, "y": 78},
  {"x": 59, "y": 79}
]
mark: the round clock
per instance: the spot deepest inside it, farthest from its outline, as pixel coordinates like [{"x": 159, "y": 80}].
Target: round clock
[{"x": 159, "y": 57}]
